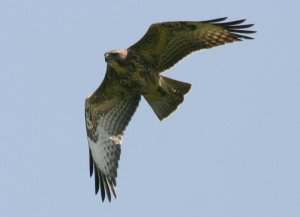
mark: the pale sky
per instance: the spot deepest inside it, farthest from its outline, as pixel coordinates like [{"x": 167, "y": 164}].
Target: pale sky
[{"x": 231, "y": 149}]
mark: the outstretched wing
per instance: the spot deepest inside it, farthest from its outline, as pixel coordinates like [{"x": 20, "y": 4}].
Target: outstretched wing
[
  {"x": 107, "y": 113},
  {"x": 164, "y": 44}
]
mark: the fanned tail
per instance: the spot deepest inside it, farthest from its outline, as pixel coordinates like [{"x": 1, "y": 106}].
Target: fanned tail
[{"x": 167, "y": 97}]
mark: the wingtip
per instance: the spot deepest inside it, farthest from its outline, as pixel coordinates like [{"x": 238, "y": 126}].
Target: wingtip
[
  {"x": 237, "y": 29},
  {"x": 105, "y": 185},
  {"x": 102, "y": 197}
]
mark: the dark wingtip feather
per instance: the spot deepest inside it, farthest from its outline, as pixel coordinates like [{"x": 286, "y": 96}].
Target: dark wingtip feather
[
  {"x": 96, "y": 183},
  {"x": 91, "y": 162},
  {"x": 214, "y": 20},
  {"x": 242, "y": 36},
  {"x": 242, "y": 26},
  {"x": 101, "y": 185},
  {"x": 107, "y": 189},
  {"x": 242, "y": 31},
  {"x": 234, "y": 27},
  {"x": 232, "y": 23}
]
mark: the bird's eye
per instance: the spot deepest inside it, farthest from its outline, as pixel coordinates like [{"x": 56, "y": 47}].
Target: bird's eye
[{"x": 114, "y": 54}]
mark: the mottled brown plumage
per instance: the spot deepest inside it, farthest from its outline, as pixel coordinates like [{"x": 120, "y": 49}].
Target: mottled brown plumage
[{"x": 135, "y": 72}]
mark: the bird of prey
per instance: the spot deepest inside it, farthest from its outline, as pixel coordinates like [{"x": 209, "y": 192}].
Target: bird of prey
[{"x": 135, "y": 72}]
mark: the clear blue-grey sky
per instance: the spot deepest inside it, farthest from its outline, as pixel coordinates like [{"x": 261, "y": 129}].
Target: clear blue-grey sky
[{"x": 232, "y": 148}]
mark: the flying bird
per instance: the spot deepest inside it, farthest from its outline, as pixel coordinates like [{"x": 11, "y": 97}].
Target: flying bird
[{"x": 135, "y": 72}]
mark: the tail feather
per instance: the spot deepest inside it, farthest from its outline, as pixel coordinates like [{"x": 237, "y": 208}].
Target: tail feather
[
  {"x": 175, "y": 86},
  {"x": 167, "y": 97}
]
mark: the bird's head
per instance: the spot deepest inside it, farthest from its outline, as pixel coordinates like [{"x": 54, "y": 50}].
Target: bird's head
[{"x": 116, "y": 59}]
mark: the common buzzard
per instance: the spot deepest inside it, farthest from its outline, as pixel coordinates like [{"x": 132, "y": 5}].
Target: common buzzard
[{"x": 135, "y": 72}]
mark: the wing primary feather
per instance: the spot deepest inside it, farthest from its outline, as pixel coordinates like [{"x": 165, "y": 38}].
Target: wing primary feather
[
  {"x": 101, "y": 184},
  {"x": 214, "y": 20},
  {"x": 242, "y": 31},
  {"x": 232, "y": 23},
  {"x": 96, "y": 183},
  {"x": 241, "y": 26},
  {"x": 112, "y": 187},
  {"x": 242, "y": 36},
  {"x": 91, "y": 163},
  {"x": 107, "y": 188}
]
